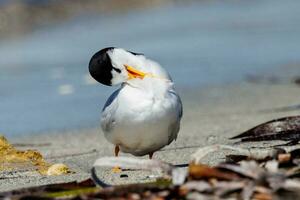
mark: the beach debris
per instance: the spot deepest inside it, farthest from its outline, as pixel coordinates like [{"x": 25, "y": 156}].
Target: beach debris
[
  {"x": 200, "y": 171},
  {"x": 177, "y": 174},
  {"x": 58, "y": 169},
  {"x": 261, "y": 174},
  {"x": 275, "y": 175},
  {"x": 31, "y": 160},
  {"x": 134, "y": 163},
  {"x": 243, "y": 153},
  {"x": 53, "y": 191},
  {"x": 274, "y": 178},
  {"x": 285, "y": 129},
  {"x": 258, "y": 173}
]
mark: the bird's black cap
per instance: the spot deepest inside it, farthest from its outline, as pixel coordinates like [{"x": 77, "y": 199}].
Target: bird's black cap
[{"x": 100, "y": 66}]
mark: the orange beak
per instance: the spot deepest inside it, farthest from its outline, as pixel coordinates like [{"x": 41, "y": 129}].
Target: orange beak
[{"x": 134, "y": 73}]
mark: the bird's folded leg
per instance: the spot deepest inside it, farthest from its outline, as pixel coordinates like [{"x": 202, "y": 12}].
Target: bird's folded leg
[{"x": 116, "y": 169}]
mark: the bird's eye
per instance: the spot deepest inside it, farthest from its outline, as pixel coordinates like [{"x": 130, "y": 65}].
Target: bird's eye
[{"x": 117, "y": 70}]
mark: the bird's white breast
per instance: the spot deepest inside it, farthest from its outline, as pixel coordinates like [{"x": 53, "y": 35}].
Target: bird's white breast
[{"x": 144, "y": 116}]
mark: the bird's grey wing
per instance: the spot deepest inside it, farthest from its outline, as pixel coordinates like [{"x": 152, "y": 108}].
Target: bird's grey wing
[
  {"x": 109, "y": 112},
  {"x": 175, "y": 126}
]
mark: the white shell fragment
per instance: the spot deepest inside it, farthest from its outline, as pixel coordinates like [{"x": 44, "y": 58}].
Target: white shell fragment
[{"x": 58, "y": 169}]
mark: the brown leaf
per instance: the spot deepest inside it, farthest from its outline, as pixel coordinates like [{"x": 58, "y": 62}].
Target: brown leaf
[
  {"x": 206, "y": 172},
  {"x": 286, "y": 129},
  {"x": 284, "y": 158},
  {"x": 262, "y": 196}
]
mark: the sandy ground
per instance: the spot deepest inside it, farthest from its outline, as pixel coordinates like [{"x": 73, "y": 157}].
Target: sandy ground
[{"x": 211, "y": 116}]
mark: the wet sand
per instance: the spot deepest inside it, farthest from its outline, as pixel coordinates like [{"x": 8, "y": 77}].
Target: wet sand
[{"x": 211, "y": 116}]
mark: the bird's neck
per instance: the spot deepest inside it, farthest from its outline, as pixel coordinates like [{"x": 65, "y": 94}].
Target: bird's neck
[{"x": 157, "y": 86}]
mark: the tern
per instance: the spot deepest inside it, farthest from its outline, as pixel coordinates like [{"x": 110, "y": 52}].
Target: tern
[{"x": 144, "y": 114}]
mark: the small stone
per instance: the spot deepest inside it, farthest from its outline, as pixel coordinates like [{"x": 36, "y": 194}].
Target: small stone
[
  {"x": 147, "y": 193},
  {"x": 134, "y": 196},
  {"x": 163, "y": 193},
  {"x": 183, "y": 191},
  {"x": 58, "y": 169},
  {"x": 284, "y": 157},
  {"x": 196, "y": 195},
  {"x": 123, "y": 176}
]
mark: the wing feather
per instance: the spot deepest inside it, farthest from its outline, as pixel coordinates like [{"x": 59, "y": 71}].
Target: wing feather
[
  {"x": 109, "y": 111},
  {"x": 175, "y": 127}
]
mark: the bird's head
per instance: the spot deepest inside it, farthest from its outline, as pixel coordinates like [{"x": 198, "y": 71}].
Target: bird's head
[{"x": 112, "y": 66}]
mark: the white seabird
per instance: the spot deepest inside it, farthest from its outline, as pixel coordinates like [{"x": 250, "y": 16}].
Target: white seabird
[{"x": 144, "y": 114}]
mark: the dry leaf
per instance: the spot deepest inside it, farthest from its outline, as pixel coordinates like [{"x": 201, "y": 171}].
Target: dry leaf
[
  {"x": 286, "y": 129},
  {"x": 206, "y": 172}
]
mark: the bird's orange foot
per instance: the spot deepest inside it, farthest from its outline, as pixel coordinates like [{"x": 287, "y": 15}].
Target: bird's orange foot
[{"x": 116, "y": 169}]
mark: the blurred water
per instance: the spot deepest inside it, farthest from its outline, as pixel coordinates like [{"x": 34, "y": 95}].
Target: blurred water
[{"x": 44, "y": 85}]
